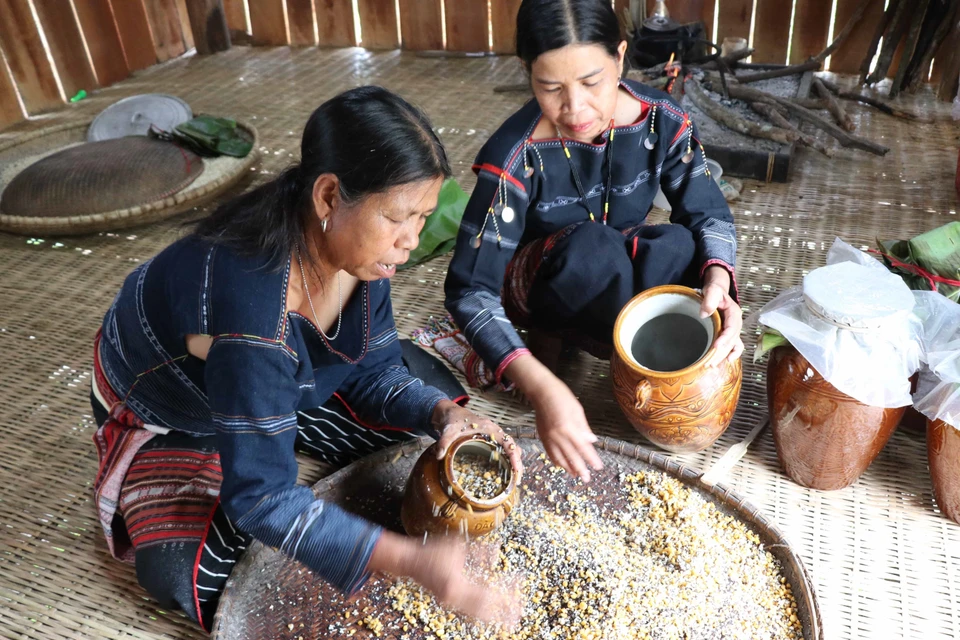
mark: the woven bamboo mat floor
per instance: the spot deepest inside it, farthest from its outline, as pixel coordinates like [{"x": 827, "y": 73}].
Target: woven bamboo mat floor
[{"x": 885, "y": 563}]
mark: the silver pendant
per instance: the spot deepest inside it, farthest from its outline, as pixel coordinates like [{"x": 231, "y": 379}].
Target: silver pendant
[
  {"x": 651, "y": 140},
  {"x": 687, "y": 157},
  {"x": 528, "y": 172},
  {"x": 497, "y": 209},
  {"x": 475, "y": 242},
  {"x": 507, "y": 214}
]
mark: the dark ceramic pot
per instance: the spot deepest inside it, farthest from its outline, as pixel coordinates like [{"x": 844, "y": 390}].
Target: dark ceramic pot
[
  {"x": 825, "y": 439},
  {"x": 943, "y": 453}
]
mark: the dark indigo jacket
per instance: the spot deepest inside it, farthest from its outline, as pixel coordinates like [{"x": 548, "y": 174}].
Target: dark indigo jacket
[
  {"x": 548, "y": 201},
  {"x": 263, "y": 366}
]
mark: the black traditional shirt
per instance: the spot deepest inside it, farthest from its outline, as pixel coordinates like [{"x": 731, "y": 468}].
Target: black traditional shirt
[{"x": 548, "y": 200}]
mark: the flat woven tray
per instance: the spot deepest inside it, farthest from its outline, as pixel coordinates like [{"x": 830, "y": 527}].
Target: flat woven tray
[
  {"x": 219, "y": 174},
  {"x": 270, "y": 596}
]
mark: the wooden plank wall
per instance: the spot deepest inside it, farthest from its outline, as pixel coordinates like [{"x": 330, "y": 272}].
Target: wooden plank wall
[
  {"x": 268, "y": 22},
  {"x": 48, "y": 54},
  {"x": 771, "y": 33},
  {"x": 503, "y": 18},
  {"x": 335, "y": 23},
  {"x": 135, "y": 35},
  {"x": 379, "y": 24},
  {"x": 236, "y": 13},
  {"x": 811, "y": 28},
  {"x": 103, "y": 41},
  {"x": 467, "y": 25},
  {"x": 53, "y": 50},
  {"x": 421, "y": 25},
  {"x": 65, "y": 40},
  {"x": 25, "y": 54},
  {"x": 10, "y": 110},
  {"x": 165, "y": 25}
]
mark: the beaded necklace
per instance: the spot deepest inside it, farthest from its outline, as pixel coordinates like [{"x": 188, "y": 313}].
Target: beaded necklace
[{"x": 607, "y": 169}]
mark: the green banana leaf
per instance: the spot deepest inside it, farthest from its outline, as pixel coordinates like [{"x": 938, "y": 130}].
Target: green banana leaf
[
  {"x": 769, "y": 340},
  {"x": 439, "y": 232},
  {"x": 936, "y": 251},
  {"x": 213, "y": 136}
]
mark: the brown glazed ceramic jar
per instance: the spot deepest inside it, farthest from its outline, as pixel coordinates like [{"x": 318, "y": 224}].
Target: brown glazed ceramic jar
[
  {"x": 943, "y": 452},
  {"x": 435, "y": 503},
  {"x": 825, "y": 439},
  {"x": 661, "y": 345}
]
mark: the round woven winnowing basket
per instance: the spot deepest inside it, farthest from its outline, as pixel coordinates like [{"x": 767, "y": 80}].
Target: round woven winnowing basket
[
  {"x": 218, "y": 175},
  {"x": 271, "y": 596}
]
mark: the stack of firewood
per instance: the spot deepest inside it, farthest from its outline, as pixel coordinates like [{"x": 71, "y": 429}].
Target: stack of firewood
[
  {"x": 919, "y": 30},
  {"x": 926, "y": 31}
]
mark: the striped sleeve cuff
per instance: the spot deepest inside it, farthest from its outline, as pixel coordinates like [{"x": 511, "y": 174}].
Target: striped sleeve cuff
[
  {"x": 717, "y": 242},
  {"x": 483, "y": 321},
  {"x": 335, "y": 544},
  {"x": 411, "y": 407}
]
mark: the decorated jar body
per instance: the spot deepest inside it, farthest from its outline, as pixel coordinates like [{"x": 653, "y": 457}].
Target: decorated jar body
[
  {"x": 825, "y": 439},
  {"x": 660, "y": 380},
  {"x": 943, "y": 452},
  {"x": 436, "y": 504}
]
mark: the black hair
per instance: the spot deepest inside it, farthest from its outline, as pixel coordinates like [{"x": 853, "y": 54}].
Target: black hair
[
  {"x": 545, "y": 25},
  {"x": 368, "y": 137}
]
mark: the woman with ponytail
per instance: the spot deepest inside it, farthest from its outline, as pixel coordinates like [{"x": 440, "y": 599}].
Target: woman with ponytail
[{"x": 266, "y": 331}]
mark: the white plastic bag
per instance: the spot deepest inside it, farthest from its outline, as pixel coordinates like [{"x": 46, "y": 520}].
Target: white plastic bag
[
  {"x": 938, "y": 393},
  {"x": 872, "y": 362}
]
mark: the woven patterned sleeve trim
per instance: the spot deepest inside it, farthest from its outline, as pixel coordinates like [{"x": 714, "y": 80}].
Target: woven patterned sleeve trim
[
  {"x": 717, "y": 242},
  {"x": 506, "y": 362},
  {"x": 734, "y": 287},
  {"x": 484, "y": 323},
  {"x": 335, "y": 544},
  {"x": 396, "y": 399}
]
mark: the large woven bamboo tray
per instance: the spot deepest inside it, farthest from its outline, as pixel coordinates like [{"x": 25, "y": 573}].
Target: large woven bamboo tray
[
  {"x": 219, "y": 175},
  {"x": 270, "y": 596}
]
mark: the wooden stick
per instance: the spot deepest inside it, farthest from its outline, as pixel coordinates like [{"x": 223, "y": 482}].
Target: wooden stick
[
  {"x": 944, "y": 22},
  {"x": 833, "y": 106},
  {"x": 730, "y": 60},
  {"x": 732, "y": 120},
  {"x": 209, "y": 26},
  {"x": 809, "y": 65},
  {"x": 950, "y": 81},
  {"x": 890, "y": 43},
  {"x": 749, "y": 94},
  {"x": 877, "y": 36},
  {"x": 851, "y": 23},
  {"x": 772, "y": 113},
  {"x": 873, "y": 102},
  {"x": 909, "y": 47}
]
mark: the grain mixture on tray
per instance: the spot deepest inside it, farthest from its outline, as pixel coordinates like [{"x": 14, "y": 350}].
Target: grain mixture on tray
[{"x": 666, "y": 564}]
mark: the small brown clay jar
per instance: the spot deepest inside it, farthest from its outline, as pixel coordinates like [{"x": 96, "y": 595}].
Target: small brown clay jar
[
  {"x": 678, "y": 403},
  {"x": 825, "y": 439},
  {"x": 943, "y": 453},
  {"x": 435, "y": 503}
]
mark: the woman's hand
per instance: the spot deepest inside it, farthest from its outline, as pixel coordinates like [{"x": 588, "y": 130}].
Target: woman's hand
[
  {"x": 716, "y": 297},
  {"x": 453, "y": 421},
  {"x": 438, "y": 565},
  {"x": 561, "y": 423}
]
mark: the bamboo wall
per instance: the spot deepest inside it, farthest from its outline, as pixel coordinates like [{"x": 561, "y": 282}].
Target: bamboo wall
[{"x": 51, "y": 49}]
